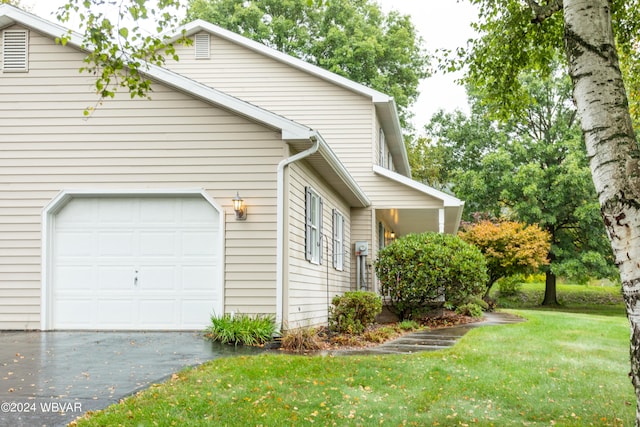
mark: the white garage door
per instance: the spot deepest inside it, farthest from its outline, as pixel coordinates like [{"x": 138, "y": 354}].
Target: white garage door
[{"x": 135, "y": 263}]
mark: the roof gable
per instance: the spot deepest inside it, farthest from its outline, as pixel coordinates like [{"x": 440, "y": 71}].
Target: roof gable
[
  {"x": 384, "y": 104},
  {"x": 292, "y": 132}
]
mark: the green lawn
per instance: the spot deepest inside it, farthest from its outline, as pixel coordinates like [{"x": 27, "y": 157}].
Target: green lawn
[{"x": 558, "y": 368}]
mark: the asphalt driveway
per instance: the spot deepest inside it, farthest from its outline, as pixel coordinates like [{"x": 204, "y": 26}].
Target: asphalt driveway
[{"x": 51, "y": 378}]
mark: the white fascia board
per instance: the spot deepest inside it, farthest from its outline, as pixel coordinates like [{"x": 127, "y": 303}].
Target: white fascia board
[
  {"x": 447, "y": 199},
  {"x": 290, "y": 130},
  {"x": 341, "y": 171},
  {"x": 11, "y": 15}
]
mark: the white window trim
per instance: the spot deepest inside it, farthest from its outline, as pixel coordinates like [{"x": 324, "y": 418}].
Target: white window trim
[
  {"x": 383, "y": 148},
  {"x": 313, "y": 233},
  {"x": 338, "y": 240},
  {"x": 15, "y": 51}
]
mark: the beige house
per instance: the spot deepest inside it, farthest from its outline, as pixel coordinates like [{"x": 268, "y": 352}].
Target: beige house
[{"x": 125, "y": 219}]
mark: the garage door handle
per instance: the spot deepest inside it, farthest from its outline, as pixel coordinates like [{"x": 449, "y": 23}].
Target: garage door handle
[{"x": 135, "y": 279}]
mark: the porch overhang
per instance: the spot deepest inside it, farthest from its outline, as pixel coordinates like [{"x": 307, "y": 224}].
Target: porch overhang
[{"x": 442, "y": 214}]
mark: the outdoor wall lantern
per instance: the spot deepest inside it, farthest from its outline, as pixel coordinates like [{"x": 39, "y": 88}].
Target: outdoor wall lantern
[
  {"x": 239, "y": 208},
  {"x": 393, "y": 235}
]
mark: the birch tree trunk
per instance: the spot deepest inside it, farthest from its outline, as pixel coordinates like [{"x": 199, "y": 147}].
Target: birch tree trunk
[{"x": 612, "y": 148}]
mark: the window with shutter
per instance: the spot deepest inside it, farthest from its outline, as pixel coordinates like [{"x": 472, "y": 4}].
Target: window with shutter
[
  {"x": 15, "y": 51},
  {"x": 313, "y": 221},
  {"x": 203, "y": 46},
  {"x": 338, "y": 240}
]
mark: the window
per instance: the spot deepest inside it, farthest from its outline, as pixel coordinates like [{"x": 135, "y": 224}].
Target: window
[
  {"x": 313, "y": 234},
  {"x": 202, "y": 46},
  {"x": 383, "y": 149},
  {"x": 15, "y": 50},
  {"x": 338, "y": 240}
]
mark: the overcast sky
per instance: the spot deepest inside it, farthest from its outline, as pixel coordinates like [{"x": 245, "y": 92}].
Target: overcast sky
[{"x": 441, "y": 23}]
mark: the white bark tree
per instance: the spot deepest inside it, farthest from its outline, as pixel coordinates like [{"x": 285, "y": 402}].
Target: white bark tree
[
  {"x": 601, "y": 100},
  {"x": 518, "y": 35}
]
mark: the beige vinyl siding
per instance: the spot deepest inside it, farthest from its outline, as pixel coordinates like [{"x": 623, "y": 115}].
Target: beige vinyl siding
[
  {"x": 388, "y": 194},
  {"x": 345, "y": 119},
  {"x": 310, "y": 285},
  {"x": 170, "y": 142}
]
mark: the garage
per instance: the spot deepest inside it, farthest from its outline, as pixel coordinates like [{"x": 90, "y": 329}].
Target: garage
[{"x": 134, "y": 263}]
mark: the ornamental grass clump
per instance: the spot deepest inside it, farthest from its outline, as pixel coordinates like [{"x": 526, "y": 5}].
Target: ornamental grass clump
[
  {"x": 241, "y": 329},
  {"x": 419, "y": 269}
]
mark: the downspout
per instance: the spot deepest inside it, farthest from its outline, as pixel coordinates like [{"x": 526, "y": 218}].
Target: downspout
[{"x": 280, "y": 225}]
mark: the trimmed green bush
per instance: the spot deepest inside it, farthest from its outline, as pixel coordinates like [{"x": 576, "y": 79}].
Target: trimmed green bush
[
  {"x": 470, "y": 309},
  {"x": 241, "y": 329},
  {"x": 511, "y": 285},
  {"x": 352, "y": 312},
  {"x": 417, "y": 269}
]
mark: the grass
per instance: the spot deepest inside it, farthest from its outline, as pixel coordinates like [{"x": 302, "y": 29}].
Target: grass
[
  {"x": 603, "y": 300},
  {"x": 558, "y": 368}
]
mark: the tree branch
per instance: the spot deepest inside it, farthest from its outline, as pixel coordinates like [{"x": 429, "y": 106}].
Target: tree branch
[{"x": 543, "y": 12}]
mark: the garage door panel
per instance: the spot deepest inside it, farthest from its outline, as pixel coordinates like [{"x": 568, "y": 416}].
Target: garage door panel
[
  {"x": 199, "y": 244},
  {"x": 120, "y": 211},
  {"x": 157, "y": 278},
  {"x": 160, "y": 313},
  {"x": 159, "y": 211},
  {"x": 194, "y": 310},
  {"x": 158, "y": 244},
  {"x": 197, "y": 277},
  {"x": 116, "y": 313},
  {"x": 74, "y": 277},
  {"x": 69, "y": 310},
  {"x": 116, "y": 278},
  {"x": 70, "y": 244},
  {"x": 135, "y": 263},
  {"x": 116, "y": 244}
]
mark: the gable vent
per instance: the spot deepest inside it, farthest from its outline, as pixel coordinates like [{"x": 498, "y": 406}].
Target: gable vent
[
  {"x": 15, "y": 50},
  {"x": 202, "y": 46}
]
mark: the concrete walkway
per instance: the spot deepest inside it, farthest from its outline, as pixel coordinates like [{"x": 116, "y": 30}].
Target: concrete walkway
[{"x": 433, "y": 339}]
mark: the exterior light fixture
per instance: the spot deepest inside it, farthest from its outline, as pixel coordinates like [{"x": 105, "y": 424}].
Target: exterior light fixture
[
  {"x": 239, "y": 208},
  {"x": 393, "y": 235}
]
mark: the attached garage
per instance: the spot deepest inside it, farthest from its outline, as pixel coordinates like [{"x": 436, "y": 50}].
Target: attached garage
[{"x": 133, "y": 262}]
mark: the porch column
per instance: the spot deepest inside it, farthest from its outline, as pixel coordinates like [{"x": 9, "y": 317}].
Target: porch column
[{"x": 441, "y": 220}]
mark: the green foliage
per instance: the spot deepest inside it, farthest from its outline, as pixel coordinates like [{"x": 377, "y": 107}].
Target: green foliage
[
  {"x": 119, "y": 53},
  {"x": 417, "y": 269},
  {"x": 241, "y": 329},
  {"x": 354, "y": 39},
  {"x": 354, "y": 311},
  {"x": 301, "y": 340},
  {"x": 408, "y": 325},
  {"x": 510, "y": 285},
  {"x": 532, "y": 168},
  {"x": 469, "y": 309},
  {"x": 509, "y": 247}
]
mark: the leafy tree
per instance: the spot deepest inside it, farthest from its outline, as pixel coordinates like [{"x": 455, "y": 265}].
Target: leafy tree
[
  {"x": 592, "y": 35},
  {"x": 355, "y": 39},
  {"x": 118, "y": 48},
  {"x": 532, "y": 168},
  {"x": 509, "y": 247},
  {"x": 417, "y": 269}
]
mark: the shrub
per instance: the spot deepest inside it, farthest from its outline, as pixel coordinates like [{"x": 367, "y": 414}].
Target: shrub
[
  {"x": 380, "y": 335},
  {"x": 301, "y": 339},
  {"x": 409, "y": 325},
  {"x": 241, "y": 329},
  {"x": 419, "y": 268},
  {"x": 354, "y": 311},
  {"x": 474, "y": 299},
  {"x": 469, "y": 309},
  {"x": 511, "y": 285},
  {"x": 509, "y": 247}
]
